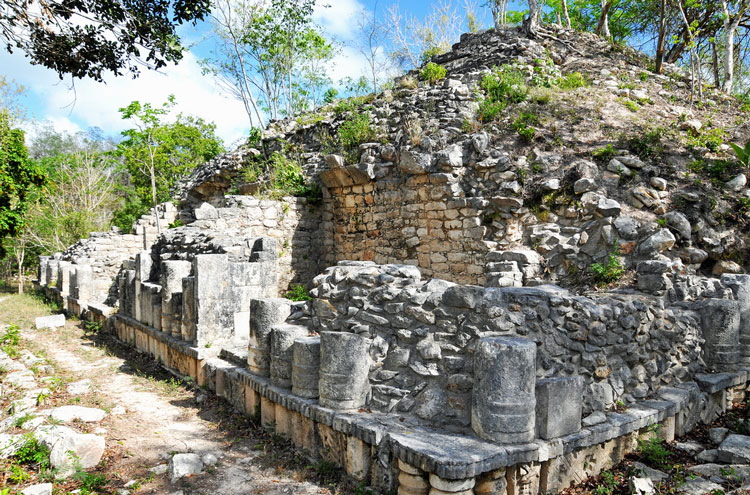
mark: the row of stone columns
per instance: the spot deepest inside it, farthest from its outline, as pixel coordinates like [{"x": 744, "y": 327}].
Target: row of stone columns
[
  {"x": 332, "y": 367},
  {"x": 74, "y": 280}
]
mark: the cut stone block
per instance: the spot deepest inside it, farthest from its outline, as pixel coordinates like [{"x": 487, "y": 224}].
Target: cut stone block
[
  {"x": 344, "y": 369},
  {"x": 52, "y": 321},
  {"x": 559, "y": 403},
  {"x": 503, "y": 398}
]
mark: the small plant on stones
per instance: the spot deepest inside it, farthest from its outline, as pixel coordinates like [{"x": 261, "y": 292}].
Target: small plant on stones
[
  {"x": 523, "y": 125},
  {"x": 607, "y": 485},
  {"x": 653, "y": 451},
  {"x": 297, "y": 292},
  {"x": 612, "y": 270},
  {"x": 10, "y": 341},
  {"x": 433, "y": 72},
  {"x": 743, "y": 154},
  {"x": 603, "y": 155}
]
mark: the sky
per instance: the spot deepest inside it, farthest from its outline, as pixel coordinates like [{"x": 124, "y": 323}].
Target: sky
[{"x": 94, "y": 104}]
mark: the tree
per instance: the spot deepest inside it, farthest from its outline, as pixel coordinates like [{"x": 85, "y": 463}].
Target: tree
[
  {"x": 268, "y": 54},
  {"x": 731, "y": 22},
  {"x": 86, "y": 38},
  {"x": 370, "y": 39},
  {"x": 19, "y": 176},
  {"x": 157, "y": 155}
]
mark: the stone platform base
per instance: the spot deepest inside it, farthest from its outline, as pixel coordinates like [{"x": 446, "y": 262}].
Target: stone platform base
[{"x": 391, "y": 453}]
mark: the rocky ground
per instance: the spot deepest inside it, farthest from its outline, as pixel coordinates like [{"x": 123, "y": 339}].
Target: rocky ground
[{"x": 133, "y": 427}]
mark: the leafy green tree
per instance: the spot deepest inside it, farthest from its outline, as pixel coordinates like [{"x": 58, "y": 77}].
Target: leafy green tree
[
  {"x": 157, "y": 154},
  {"x": 19, "y": 176},
  {"x": 86, "y": 38}
]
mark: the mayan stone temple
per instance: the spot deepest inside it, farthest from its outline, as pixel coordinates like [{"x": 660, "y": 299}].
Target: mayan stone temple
[{"x": 445, "y": 348}]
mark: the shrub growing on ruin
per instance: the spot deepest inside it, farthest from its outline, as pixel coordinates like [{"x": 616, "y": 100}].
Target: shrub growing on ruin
[
  {"x": 354, "y": 131},
  {"x": 610, "y": 272},
  {"x": 297, "y": 292},
  {"x": 433, "y": 73},
  {"x": 502, "y": 86},
  {"x": 523, "y": 125},
  {"x": 648, "y": 145}
]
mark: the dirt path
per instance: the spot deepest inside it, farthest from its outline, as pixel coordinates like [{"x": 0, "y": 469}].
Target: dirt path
[{"x": 153, "y": 415}]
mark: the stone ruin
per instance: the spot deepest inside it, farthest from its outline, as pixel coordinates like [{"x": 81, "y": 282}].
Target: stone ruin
[{"x": 436, "y": 354}]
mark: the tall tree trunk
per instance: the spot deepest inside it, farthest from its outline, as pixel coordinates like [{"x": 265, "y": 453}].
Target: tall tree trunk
[
  {"x": 566, "y": 15},
  {"x": 152, "y": 173},
  {"x": 531, "y": 24},
  {"x": 715, "y": 64},
  {"x": 602, "y": 29},
  {"x": 497, "y": 8},
  {"x": 696, "y": 80},
  {"x": 662, "y": 37},
  {"x": 730, "y": 29},
  {"x": 20, "y": 254}
]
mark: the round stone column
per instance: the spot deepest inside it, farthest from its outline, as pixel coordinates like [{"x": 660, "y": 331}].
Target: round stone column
[
  {"x": 306, "y": 367},
  {"x": 264, "y": 315},
  {"x": 503, "y": 399},
  {"x": 282, "y": 340},
  {"x": 344, "y": 368}
]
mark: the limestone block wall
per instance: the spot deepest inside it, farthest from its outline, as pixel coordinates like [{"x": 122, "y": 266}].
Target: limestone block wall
[
  {"x": 291, "y": 223},
  {"x": 205, "y": 301},
  {"x": 105, "y": 252},
  {"x": 424, "y": 336}
]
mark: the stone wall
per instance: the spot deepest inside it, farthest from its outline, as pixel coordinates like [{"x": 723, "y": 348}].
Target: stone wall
[{"x": 424, "y": 336}]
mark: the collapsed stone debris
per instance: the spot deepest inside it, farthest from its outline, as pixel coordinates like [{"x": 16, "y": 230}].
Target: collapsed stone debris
[{"x": 436, "y": 353}]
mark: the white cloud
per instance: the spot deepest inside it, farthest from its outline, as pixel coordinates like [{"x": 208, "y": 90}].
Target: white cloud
[
  {"x": 339, "y": 18},
  {"x": 94, "y": 104}
]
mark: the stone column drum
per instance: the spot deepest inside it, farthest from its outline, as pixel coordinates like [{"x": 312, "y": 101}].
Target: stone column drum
[
  {"x": 42, "y": 273},
  {"x": 740, "y": 285},
  {"x": 264, "y": 315},
  {"x": 344, "y": 368},
  {"x": 172, "y": 273},
  {"x": 503, "y": 398},
  {"x": 52, "y": 272},
  {"x": 306, "y": 367},
  {"x": 84, "y": 283},
  {"x": 63, "y": 277},
  {"x": 720, "y": 319},
  {"x": 282, "y": 342}
]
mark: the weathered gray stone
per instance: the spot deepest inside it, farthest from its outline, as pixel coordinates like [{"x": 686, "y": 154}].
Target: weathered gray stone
[
  {"x": 717, "y": 435},
  {"x": 182, "y": 465},
  {"x": 584, "y": 185},
  {"x": 282, "y": 341},
  {"x": 656, "y": 243},
  {"x": 559, "y": 402},
  {"x": 344, "y": 368},
  {"x": 720, "y": 319},
  {"x": 503, "y": 399},
  {"x": 740, "y": 285},
  {"x": 698, "y": 486},
  {"x": 735, "y": 449},
  {"x": 52, "y": 321},
  {"x": 737, "y": 183},
  {"x": 641, "y": 486},
  {"x": 306, "y": 367},
  {"x": 87, "y": 449},
  {"x": 39, "y": 489},
  {"x": 171, "y": 275},
  {"x": 626, "y": 226},
  {"x": 679, "y": 223},
  {"x": 264, "y": 315},
  {"x": 413, "y": 162},
  {"x": 67, "y": 414}
]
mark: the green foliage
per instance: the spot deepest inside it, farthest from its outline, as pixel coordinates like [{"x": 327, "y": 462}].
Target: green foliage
[
  {"x": 355, "y": 131},
  {"x": 433, "y": 73},
  {"x": 279, "y": 176},
  {"x": 10, "y": 341},
  {"x": 19, "y": 178},
  {"x": 18, "y": 474},
  {"x": 607, "y": 484},
  {"x": 429, "y": 53},
  {"x": 648, "y": 145},
  {"x": 653, "y": 450},
  {"x": 350, "y": 105},
  {"x": 504, "y": 85},
  {"x": 130, "y": 211},
  {"x": 711, "y": 138},
  {"x": 743, "y": 154},
  {"x": 612, "y": 271},
  {"x": 574, "y": 80},
  {"x": 92, "y": 326},
  {"x": 330, "y": 95},
  {"x": 90, "y": 482},
  {"x": 157, "y": 154},
  {"x": 604, "y": 155},
  {"x": 643, "y": 76},
  {"x": 719, "y": 171},
  {"x": 175, "y": 224},
  {"x": 297, "y": 292},
  {"x": 23, "y": 419},
  {"x": 33, "y": 453},
  {"x": 523, "y": 125},
  {"x": 629, "y": 104}
]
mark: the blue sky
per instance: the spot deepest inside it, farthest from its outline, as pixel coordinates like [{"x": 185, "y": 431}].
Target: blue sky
[{"x": 95, "y": 104}]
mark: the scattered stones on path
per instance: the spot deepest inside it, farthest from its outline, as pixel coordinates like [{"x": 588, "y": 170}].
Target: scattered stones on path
[
  {"x": 51, "y": 321},
  {"x": 66, "y": 414},
  {"x": 182, "y": 465},
  {"x": 80, "y": 387}
]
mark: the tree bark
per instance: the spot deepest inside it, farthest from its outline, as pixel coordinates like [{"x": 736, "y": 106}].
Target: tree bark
[
  {"x": 20, "y": 252},
  {"x": 662, "y": 37},
  {"x": 730, "y": 29},
  {"x": 531, "y": 24},
  {"x": 602, "y": 29},
  {"x": 566, "y": 15},
  {"x": 715, "y": 64}
]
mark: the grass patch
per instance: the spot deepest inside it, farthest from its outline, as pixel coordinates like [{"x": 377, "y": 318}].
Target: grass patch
[{"x": 433, "y": 73}]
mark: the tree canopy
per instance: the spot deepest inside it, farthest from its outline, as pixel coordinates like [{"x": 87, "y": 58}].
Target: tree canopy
[{"x": 86, "y": 38}]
